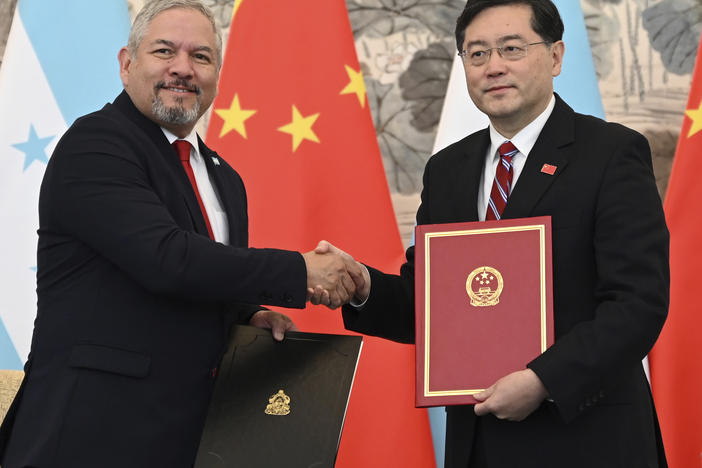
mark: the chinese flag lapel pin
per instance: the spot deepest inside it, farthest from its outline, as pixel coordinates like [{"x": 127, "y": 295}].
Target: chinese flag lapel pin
[{"x": 549, "y": 169}]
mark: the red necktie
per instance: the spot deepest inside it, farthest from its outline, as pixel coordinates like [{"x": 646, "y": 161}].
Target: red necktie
[
  {"x": 502, "y": 186},
  {"x": 182, "y": 147}
]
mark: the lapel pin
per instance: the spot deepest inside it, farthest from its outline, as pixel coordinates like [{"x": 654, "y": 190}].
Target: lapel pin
[
  {"x": 215, "y": 161},
  {"x": 549, "y": 169}
]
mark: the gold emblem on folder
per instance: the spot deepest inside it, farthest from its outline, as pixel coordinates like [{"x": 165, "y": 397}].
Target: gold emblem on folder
[
  {"x": 278, "y": 404},
  {"x": 484, "y": 286}
]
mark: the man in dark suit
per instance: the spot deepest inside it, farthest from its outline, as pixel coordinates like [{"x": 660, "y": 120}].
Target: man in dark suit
[
  {"x": 143, "y": 266},
  {"x": 585, "y": 402}
]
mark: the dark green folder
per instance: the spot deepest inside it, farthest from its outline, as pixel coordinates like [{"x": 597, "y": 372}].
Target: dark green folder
[{"x": 279, "y": 404}]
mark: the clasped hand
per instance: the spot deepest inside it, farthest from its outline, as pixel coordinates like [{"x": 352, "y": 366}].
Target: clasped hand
[{"x": 333, "y": 277}]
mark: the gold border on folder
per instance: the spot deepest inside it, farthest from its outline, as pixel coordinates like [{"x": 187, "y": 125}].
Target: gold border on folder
[{"x": 542, "y": 268}]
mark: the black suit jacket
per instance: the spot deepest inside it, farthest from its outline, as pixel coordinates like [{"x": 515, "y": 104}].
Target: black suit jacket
[
  {"x": 610, "y": 281},
  {"x": 134, "y": 300}
]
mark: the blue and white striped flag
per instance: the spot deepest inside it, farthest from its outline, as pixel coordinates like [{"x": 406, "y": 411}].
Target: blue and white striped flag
[
  {"x": 60, "y": 62},
  {"x": 577, "y": 85}
]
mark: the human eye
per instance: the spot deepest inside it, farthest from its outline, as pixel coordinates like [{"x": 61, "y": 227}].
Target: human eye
[
  {"x": 477, "y": 54},
  {"x": 512, "y": 48},
  {"x": 512, "y": 51},
  {"x": 163, "y": 52},
  {"x": 202, "y": 56}
]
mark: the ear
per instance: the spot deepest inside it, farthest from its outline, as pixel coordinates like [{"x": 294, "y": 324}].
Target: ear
[
  {"x": 125, "y": 61},
  {"x": 557, "y": 52}
]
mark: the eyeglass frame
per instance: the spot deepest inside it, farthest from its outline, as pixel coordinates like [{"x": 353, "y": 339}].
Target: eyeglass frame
[{"x": 464, "y": 53}]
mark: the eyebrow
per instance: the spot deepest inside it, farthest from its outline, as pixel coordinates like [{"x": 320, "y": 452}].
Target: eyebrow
[
  {"x": 172, "y": 44},
  {"x": 502, "y": 39}
]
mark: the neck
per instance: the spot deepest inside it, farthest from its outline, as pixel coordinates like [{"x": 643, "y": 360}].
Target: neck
[
  {"x": 181, "y": 131},
  {"x": 510, "y": 125}
]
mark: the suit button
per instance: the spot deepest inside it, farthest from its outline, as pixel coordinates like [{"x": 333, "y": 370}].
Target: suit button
[
  {"x": 581, "y": 407},
  {"x": 287, "y": 298}
]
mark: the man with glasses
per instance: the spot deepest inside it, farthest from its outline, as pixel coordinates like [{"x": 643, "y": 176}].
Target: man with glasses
[{"x": 585, "y": 402}]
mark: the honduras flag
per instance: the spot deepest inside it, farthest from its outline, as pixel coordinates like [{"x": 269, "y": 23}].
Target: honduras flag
[
  {"x": 577, "y": 85},
  {"x": 60, "y": 63}
]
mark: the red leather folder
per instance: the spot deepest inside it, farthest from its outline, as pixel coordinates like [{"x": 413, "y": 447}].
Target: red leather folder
[{"x": 484, "y": 304}]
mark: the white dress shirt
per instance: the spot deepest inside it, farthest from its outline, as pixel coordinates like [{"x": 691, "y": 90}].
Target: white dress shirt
[
  {"x": 524, "y": 141},
  {"x": 206, "y": 187}
]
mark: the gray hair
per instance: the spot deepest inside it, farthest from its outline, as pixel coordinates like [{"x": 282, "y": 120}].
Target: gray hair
[{"x": 155, "y": 7}]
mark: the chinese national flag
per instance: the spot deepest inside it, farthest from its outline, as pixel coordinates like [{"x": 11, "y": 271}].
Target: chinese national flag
[
  {"x": 676, "y": 359},
  {"x": 292, "y": 118}
]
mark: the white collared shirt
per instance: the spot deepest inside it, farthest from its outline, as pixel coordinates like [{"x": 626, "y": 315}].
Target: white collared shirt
[
  {"x": 206, "y": 187},
  {"x": 524, "y": 141}
]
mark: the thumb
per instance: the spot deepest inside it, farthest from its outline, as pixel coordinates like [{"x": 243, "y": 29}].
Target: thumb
[
  {"x": 485, "y": 394},
  {"x": 322, "y": 247}
]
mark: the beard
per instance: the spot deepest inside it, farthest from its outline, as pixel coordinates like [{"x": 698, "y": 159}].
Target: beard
[{"x": 178, "y": 114}]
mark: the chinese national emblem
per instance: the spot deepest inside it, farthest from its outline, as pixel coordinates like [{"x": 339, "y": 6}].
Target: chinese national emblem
[
  {"x": 484, "y": 286},
  {"x": 278, "y": 404}
]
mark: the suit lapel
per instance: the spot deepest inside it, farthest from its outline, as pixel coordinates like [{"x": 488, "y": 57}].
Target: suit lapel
[
  {"x": 467, "y": 177},
  {"x": 553, "y": 147},
  {"x": 168, "y": 156},
  {"x": 223, "y": 188}
]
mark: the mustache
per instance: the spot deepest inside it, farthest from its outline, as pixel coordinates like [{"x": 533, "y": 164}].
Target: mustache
[{"x": 181, "y": 84}]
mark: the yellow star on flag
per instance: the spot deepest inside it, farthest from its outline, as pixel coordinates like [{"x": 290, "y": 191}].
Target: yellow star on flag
[
  {"x": 696, "y": 117},
  {"x": 234, "y": 118},
  {"x": 356, "y": 85},
  {"x": 300, "y": 128}
]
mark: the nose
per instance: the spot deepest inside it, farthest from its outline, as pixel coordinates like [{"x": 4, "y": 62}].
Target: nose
[
  {"x": 496, "y": 63},
  {"x": 181, "y": 66}
]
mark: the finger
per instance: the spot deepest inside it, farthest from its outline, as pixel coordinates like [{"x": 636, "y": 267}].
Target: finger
[
  {"x": 278, "y": 331},
  {"x": 322, "y": 247},
  {"x": 334, "y": 299},
  {"x": 280, "y": 324},
  {"x": 349, "y": 285},
  {"x": 356, "y": 275},
  {"x": 481, "y": 409},
  {"x": 321, "y": 295},
  {"x": 314, "y": 296},
  {"x": 342, "y": 290}
]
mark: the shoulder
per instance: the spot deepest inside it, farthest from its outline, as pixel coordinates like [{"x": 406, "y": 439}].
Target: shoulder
[
  {"x": 589, "y": 125},
  {"x": 590, "y": 131},
  {"x": 474, "y": 144},
  {"x": 104, "y": 127}
]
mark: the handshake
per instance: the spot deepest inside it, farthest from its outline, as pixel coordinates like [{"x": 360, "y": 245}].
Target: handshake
[{"x": 334, "y": 278}]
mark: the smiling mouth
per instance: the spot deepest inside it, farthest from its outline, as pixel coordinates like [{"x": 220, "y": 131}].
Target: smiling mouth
[{"x": 179, "y": 86}]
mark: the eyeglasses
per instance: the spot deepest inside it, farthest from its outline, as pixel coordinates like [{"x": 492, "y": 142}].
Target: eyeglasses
[{"x": 511, "y": 51}]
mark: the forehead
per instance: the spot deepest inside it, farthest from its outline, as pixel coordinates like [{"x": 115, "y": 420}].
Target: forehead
[
  {"x": 181, "y": 26},
  {"x": 496, "y": 23}
]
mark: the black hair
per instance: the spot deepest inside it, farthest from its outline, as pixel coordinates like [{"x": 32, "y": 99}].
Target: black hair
[{"x": 545, "y": 20}]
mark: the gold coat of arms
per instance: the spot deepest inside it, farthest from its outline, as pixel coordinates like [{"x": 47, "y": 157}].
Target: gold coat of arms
[{"x": 484, "y": 286}]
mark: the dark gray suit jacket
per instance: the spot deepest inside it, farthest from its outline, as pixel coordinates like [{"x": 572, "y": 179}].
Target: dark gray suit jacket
[
  {"x": 610, "y": 281},
  {"x": 134, "y": 300}
]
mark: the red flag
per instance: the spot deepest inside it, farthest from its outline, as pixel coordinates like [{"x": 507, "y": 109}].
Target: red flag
[
  {"x": 292, "y": 118},
  {"x": 676, "y": 359}
]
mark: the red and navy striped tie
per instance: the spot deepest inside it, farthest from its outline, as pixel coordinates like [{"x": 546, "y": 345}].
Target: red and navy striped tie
[{"x": 502, "y": 186}]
